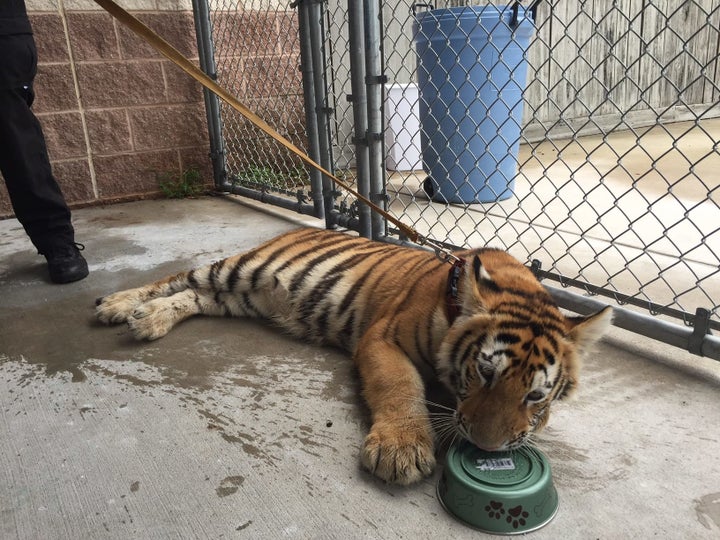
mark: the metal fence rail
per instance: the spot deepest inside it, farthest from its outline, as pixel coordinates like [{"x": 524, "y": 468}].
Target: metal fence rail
[{"x": 608, "y": 180}]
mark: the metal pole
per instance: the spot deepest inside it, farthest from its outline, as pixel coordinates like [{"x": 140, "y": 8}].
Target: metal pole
[
  {"x": 322, "y": 110},
  {"x": 249, "y": 193},
  {"x": 645, "y": 325},
  {"x": 374, "y": 81},
  {"x": 359, "y": 102},
  {"x": 206, "y": 54},
  {"x": 308, "y": 69}
]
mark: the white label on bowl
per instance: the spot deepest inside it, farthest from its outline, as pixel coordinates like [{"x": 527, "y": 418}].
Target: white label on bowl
[{"x": 500, "y": 464}]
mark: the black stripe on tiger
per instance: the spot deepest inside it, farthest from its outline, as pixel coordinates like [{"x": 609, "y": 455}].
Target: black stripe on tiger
[
  {"x": 318, "y": 294},
  {"x": 409, "y": 295},
  {"x": 430, "y": 324},
  {"x": 348, "y": 331},
  {"x": 526, "y": 310},
  {"x": 547, "y": 328},
  {"x": 234, "y": 275},
  {"x": 249, "y": 307},
  {"x": 362, "y": 280},
  {"x": 338, "y": 247},
  {"x": 192, "y": 280},
  {"x": 269, "y": 258},
  {"x": 213, "y": 273},
  {"x": 419, "y": 346}
]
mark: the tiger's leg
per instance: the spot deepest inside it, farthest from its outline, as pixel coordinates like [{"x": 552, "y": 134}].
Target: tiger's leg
[
  {"x": 222, "y": 289},
  {"x": 155, "y": 318},
  {"x": 118, "y": 307},
  {"x": 399, "y": 447}
]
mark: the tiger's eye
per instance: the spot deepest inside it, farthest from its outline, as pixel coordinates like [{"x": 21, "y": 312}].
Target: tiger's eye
[{"x": 535, "y": 395}]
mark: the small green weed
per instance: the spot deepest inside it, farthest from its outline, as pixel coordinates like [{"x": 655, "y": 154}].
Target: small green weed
[
  {"x": 189, "y": 183},
  {"x": 264, "y": 176}
]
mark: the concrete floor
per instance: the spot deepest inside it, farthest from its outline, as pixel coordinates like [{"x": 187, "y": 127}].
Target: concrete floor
[{"x": 228, "y": 429}]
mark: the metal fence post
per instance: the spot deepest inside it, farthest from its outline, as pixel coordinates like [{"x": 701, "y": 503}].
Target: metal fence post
[
  {"x": 306, "y": 24},
  {"x": 203, "y": 33},
  {"x": 322, "y": 110},
  {"x": 375, "y": 79},
  {"x": 359, "y": 102}
]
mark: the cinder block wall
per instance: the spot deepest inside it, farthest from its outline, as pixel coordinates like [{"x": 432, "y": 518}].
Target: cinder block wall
[{"x": 115, "y": 113}]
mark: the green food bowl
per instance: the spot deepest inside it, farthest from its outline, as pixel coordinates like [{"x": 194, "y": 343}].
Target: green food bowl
[{"x": 498, "y": 492}]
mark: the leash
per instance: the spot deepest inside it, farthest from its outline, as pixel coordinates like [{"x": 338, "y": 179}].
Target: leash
[{"x": 175, "y": 56}]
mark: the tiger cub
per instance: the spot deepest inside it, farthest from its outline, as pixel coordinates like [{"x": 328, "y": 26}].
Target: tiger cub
[{"x": 486, "y": 327}]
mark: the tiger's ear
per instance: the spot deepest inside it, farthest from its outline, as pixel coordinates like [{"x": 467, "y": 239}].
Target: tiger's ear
[
  {"x": 476, "y": 278},
  {"x": 482, "y": 276},
  {"x": 585, "y": 331}
]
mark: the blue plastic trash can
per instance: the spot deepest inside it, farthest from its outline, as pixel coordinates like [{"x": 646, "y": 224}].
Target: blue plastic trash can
[{"x": 471, "y": 76}]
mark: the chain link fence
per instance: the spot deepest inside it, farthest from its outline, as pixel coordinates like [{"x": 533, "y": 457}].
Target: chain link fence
[
  {"x": 253, "y": 50},
  {"x": 614, "y": 191},
  {"x": 581, "y": 136}
]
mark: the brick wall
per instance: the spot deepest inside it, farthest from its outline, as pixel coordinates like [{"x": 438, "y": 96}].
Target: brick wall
[{"x": 115, "y": 113}]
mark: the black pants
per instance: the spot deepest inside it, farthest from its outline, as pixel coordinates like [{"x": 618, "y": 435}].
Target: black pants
[{"x": 36, "y": 197}]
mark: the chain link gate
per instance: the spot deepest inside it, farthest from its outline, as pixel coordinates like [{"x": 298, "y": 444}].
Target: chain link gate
[{"x": 611, "y": 191}]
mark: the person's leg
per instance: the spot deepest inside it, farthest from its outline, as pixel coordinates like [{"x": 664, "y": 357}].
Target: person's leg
[
  {"x": 35, "y": 195},
  {"x": 25, "y": 166}
]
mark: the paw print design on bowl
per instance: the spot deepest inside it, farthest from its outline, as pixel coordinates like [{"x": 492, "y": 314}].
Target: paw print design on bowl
[
  {"x": 517, "y": 516},
  {"x": 495, "y": 509},
  {"x": 498, "y": 492}
]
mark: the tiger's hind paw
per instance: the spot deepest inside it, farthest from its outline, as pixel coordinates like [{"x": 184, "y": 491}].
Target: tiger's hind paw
[
  {"x": 399, "y": 455},
  {"x": 152, "y": 320},
  {"x": 118, "y": 307}
]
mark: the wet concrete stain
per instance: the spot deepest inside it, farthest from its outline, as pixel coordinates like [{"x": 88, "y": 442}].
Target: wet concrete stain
[
  {"x": 569, "y": 469},
  {"x": 135, "y": 486},
  {"x": 564, "y": 451},
  {"x": 200, "y": 361},
  {"x": 229, "y": 485},
  {"x": 707, "y": 509}
]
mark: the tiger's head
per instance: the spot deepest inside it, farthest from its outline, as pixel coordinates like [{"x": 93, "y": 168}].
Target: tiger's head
[{"x": 510, "y": 353}]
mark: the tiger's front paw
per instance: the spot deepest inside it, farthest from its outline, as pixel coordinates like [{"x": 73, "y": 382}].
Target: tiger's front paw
[
  {"x": 398, "y": 454},
  {"x": 117, "y": 307}
]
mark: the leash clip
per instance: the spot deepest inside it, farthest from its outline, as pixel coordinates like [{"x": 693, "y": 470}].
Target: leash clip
[{"x": 442, "y": 253}]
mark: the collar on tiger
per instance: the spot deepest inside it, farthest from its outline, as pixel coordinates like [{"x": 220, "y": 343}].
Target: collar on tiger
[{"x": 452, "y": 303}]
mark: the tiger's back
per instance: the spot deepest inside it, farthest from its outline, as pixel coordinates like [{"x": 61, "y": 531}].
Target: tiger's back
[{"x": 330, "y": 287}]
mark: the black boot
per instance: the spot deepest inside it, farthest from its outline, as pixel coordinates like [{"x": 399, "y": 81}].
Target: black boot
[{"x": 65, "y": 263}]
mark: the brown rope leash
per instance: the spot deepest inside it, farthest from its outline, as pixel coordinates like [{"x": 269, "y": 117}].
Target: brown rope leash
[{"x": 175, "y": 56}]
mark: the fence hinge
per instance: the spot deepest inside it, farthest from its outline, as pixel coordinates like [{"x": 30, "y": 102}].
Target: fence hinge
[
  {"x": 373, "y": 136},
  {"x": 379, "y": 198},
  {"x": 376, "y": 79},
  {"x": 366, "y": 139},
  {"x": 701, "y": 328}
]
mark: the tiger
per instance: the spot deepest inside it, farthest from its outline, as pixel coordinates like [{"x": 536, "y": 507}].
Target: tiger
[{"x": 484, "y": 327}]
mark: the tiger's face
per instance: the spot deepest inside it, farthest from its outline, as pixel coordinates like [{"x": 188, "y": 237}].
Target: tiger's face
[{"x": 507, "y": 366}]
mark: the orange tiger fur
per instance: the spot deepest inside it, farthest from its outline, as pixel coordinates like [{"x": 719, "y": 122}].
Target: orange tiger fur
[{"x": 506, "y": 356}]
